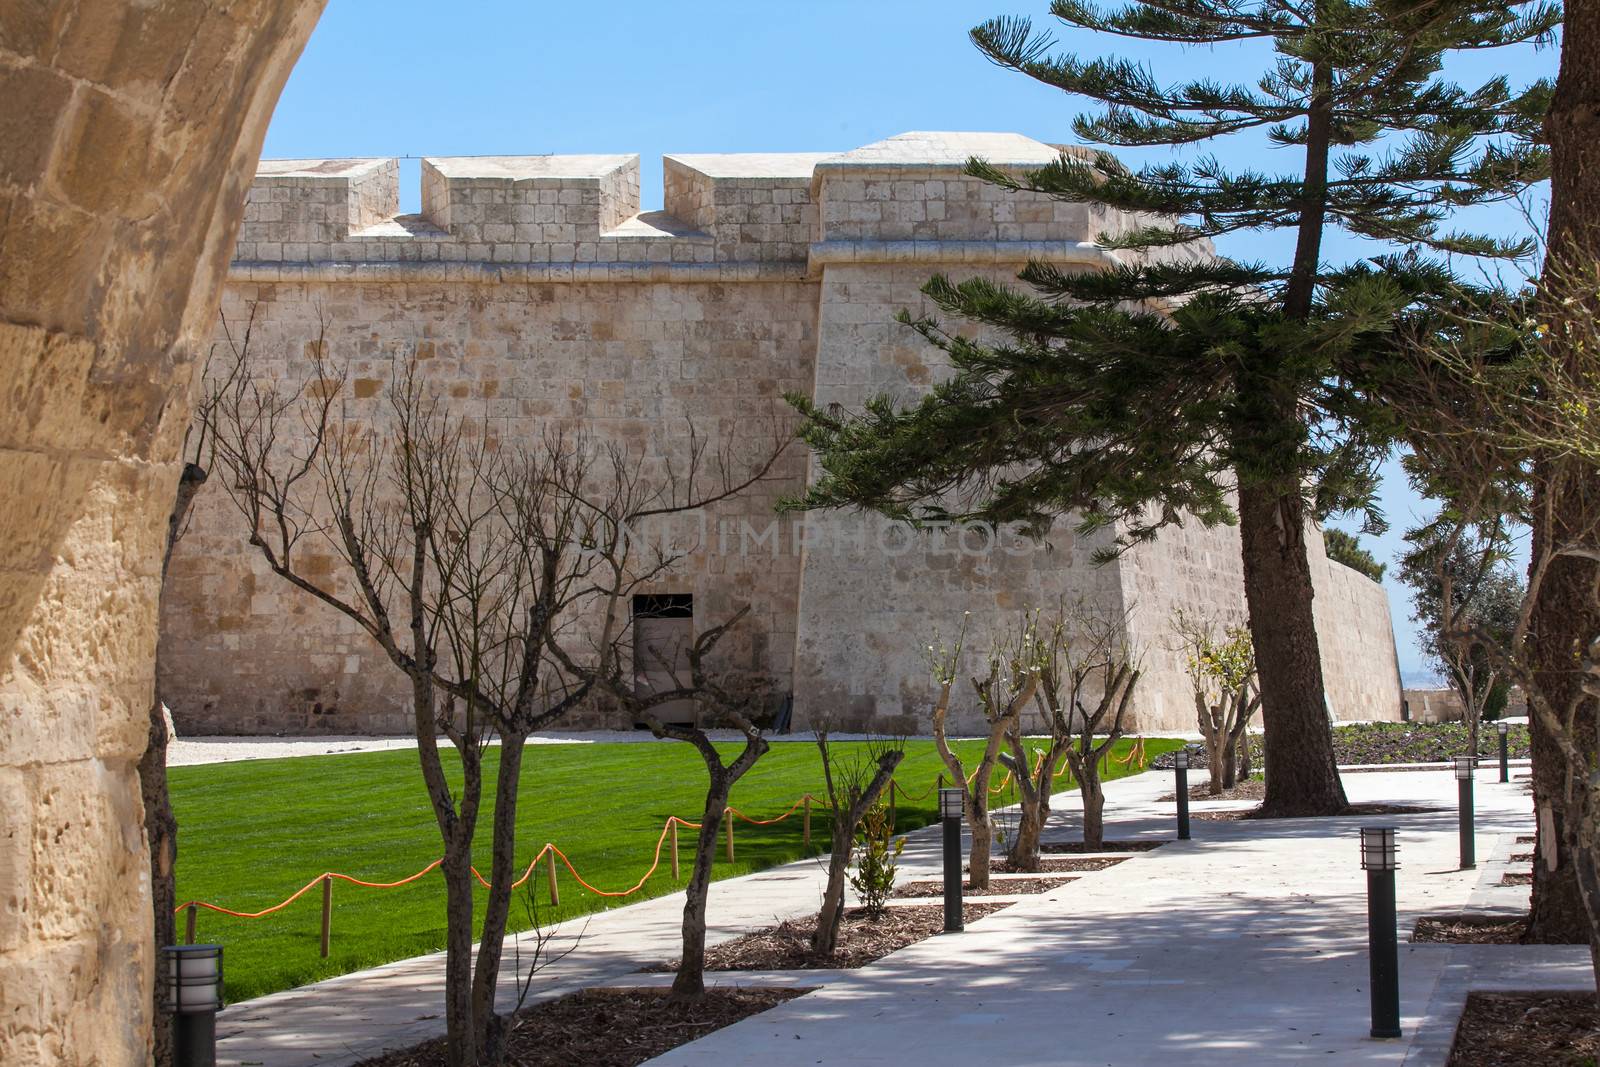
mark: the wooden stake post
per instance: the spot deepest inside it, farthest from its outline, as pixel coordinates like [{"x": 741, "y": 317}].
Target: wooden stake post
[
  {"x": 327, "y": 913},
  {"x": 555, "y": 893},
  {"x": 728, "y": 815},
  {"x": 806, "y": 821},
  {"x": 674, "y": 825}
]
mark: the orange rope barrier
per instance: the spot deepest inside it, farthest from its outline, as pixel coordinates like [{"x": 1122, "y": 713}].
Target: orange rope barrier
[{"x": 303, "y": 890}]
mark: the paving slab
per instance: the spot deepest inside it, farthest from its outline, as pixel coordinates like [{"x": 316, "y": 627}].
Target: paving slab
[{"x": 1244, "y": 945}]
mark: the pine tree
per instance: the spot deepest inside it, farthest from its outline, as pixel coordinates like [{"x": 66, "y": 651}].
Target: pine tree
[{"x": 1182, "y": 386}]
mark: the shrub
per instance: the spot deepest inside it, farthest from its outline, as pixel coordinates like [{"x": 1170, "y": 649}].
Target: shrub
[{"x": 873, "y": 879}]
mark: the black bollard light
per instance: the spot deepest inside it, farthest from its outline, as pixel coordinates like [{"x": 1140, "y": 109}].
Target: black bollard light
[
  {"x": 951, "y": 802},
  {"x": 1503, "y": 729},
  {"x": 1380, "y": 859},
  {"x": 1180, "y": 769},
  {"x": 194, "y": 996},
  {"x": 1469, "y": 857}
]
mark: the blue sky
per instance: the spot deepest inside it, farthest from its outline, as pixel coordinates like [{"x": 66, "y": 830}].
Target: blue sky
[{"x": 491, "y": 77}]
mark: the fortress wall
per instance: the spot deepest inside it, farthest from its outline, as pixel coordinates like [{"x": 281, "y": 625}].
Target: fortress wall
[
  {"x": 1360, "y": 670},
  {"x": 532, "y": 291}
]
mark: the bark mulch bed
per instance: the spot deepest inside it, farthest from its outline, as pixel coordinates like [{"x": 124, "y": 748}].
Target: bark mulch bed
[
  {"x": 1353, "y": 809},
  {"x": 1528, "y": 840},
  {"x": 1517, "y": 878},
  {"x": 1522, "y": 857},
  {"x": 1062, "y": 864},
  {"x": 1517, "y": 1029},
  {"x": 1253, "y": 789},
  {"x": 1104, "y": 846},
  {"x": 606, "y": 1027},
  {"x": 1462, "y": 930},
  {"x": 787, "y": 946},
  {"x": 996, "y": 887}
]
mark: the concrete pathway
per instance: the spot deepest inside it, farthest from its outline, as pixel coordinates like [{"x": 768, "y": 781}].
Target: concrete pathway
[{"x": 1243, "y": 946}]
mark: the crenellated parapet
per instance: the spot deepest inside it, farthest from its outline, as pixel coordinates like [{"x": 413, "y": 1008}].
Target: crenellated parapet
[{"x": 726, "y": 216}]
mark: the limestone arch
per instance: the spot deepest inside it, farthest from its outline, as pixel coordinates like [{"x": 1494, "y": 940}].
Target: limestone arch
[{"x": 129, "y": 134}]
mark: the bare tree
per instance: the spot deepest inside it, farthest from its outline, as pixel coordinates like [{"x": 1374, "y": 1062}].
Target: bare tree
[
  {"x": 1008, "y": 683},
  {"x": 1084, "y": 659},
  {"x": 466, "y": 559},
  {"x": 854, "y": 783},
  {"x": 1222, "y": 670}
]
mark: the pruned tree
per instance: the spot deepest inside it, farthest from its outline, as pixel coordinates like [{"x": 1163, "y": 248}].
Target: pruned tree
[
  {"x": 854, "y": 782},
  {"x": 464, "y": 557},
  {"x": 689, "y": 983},
  {"x": 1183, "y": 387},
  {"x": 1011, "y": 675},
  {"x": 1462, "y": 575},
  {"x": 722, "y": 696},
  {"x": 1222, "y": 670},
  {"x": 1087, "y": 672}
]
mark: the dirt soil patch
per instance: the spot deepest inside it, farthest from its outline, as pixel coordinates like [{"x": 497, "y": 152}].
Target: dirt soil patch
[
  {"x": 1465, "y": 930},
  {"x": 1254, "y": 789},
  {"x": 1522, "y": 857},
  {"x": 1517, "y": 878},
  {"x": 996, "y": 887},
  {"x": 1516, "y": 1029},
  {"x": 1058, "y": 864},
  {"x": 606, "y": 1027},
  {"x": 862, "y": 939},
  {"x": 1528, "y": 840},
  {"x": 1104, "y": 846},
  {"x": 1353, "y": 809}
]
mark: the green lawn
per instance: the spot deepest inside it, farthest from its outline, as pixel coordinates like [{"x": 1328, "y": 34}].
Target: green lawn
[{"x": 253, "y": 832}]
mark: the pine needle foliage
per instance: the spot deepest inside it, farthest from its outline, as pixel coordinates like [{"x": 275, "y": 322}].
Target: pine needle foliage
[{"x": 1139, "y": 395}]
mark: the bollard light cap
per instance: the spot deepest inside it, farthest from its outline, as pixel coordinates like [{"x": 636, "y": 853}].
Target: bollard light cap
[
  {"x": 1463, "y": 767},
  {"x": 952, "y": 803},
  {"x": 192, "y": 977},
  {"x": 1379, "y": 850}
]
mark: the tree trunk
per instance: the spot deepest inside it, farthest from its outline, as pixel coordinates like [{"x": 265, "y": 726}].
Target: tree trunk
[
  {"x": 1302, "y": 777},
  {"x": 160, "y": 824},
  {"x": 826, "y": 937},
  {"x": 161, "y": 829},
  {"x": 1564, "y": 619},
  {"x": 461, "y": 1034},
  {"x": 1024, "y": 854},
  {"x": 982, "y": 841},
  {"x": 1565, "y": 616},
  {"x": 1094, "y": 808},
  {"x": 490, "y": 1026},
  {"x": 1230, "y": 762},
  {"x": 690, "y": 982}
]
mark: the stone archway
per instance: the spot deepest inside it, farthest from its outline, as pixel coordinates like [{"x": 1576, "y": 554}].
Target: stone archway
[{"x": 128, "y": 135}]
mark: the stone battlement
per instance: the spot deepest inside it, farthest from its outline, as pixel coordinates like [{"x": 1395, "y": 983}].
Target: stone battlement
[{"x": 901, "y": 199}]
